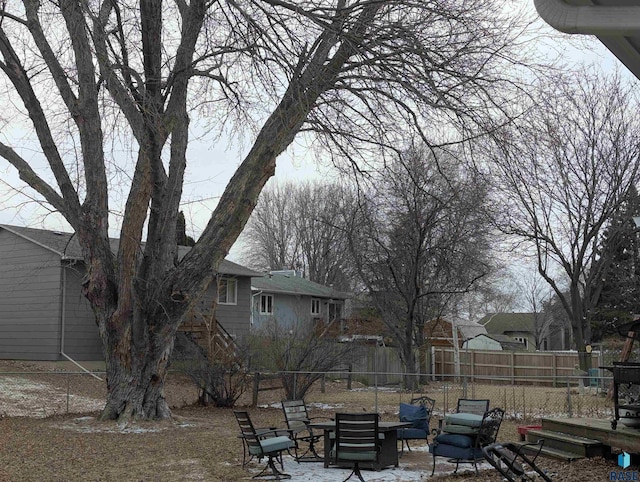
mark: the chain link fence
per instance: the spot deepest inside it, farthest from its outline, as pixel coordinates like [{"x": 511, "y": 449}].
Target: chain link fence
[
  {"x": 523, "y": 399},
  {"x": 41, "y": 394}
]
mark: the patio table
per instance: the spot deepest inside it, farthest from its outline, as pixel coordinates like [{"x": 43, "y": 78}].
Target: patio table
[{"x": 388, "y": 447}]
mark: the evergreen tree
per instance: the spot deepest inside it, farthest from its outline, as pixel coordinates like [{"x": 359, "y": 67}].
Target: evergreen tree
[
  {"x": 620, "y": 297},
  {"x": 181, "y": 232}
]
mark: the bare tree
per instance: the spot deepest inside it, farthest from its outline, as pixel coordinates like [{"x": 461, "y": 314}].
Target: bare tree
[
  {"x": 296, "y": 226},
  {"x": 419, "y": 241},
  {"x": 87, "y": 75},
  {"x": 537, "y": 293},
  {"x": 299, "y": 354},
  {"x": 563, "y": 174}
]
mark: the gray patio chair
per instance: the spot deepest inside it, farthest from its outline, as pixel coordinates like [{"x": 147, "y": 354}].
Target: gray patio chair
[
  {"x": 269, "y": 443},
  {"x": 298, "y": 419},
  {"x": 357, "y": 440}
]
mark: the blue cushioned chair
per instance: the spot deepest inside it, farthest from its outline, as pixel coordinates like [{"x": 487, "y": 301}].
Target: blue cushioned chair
[
  {"x": 263, "y": 443},
  {"x": 357, "y": 440},
  {"x": 418, "y": 412},
  {"x": 467, "y": 448}
]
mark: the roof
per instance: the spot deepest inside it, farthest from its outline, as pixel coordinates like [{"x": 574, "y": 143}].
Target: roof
[
  {"x": 616, "y": 23},
  {"x": 66, "y": 246},
  {"x": 470, "y": 329},
  {"x": 293, "y": 284},
  {"x": 500, "y": 323},
  {"x": 508, "y": 343},
  {"x": 466, "y": 329}
]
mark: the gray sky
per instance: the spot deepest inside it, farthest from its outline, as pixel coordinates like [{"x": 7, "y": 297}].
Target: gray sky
[{"x": 211, "y": 165}]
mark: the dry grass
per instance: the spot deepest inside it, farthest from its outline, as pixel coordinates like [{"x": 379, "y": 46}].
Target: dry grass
[{"x": 200, "y": 444}]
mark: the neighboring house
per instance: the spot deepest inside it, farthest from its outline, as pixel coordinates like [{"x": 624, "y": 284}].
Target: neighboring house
[
  {"x": 439, "y": 332},
  {"x": 43, "y": 314},
  {"x": 482, "y": 342},
  {"x": 290, "y": 299},
  {"x": 520, "y": 328}
]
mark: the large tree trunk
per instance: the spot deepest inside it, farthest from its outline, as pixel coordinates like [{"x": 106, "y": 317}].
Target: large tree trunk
[{"x": 136, "y": 376}]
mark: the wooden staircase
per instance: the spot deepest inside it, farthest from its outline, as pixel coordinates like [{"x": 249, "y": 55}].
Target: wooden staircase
[
  {"x": 223, "y": 346},
  {"x": 563, "y": 442}
]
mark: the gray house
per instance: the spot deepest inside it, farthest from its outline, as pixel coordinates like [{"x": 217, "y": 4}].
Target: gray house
[
  {"x": 521, "y": 328},
  {"x": 290, "y": 299},
  {"x": 43, "y": 315}
]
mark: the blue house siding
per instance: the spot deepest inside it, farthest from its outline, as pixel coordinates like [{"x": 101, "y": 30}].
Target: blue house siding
[
  {"x": 30, "y": 294},
  {"x": 290, "y": 310},
  {"x": 287, "y": 310}
]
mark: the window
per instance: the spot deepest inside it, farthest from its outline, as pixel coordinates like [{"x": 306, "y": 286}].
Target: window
[
  {"x": 227, "y": 291},
  {"x": 266, "y": 304},
  {"x": 315, "y": 306},
  {"x": 522, "y": 340},
  {"x": 335, "y": 311}
]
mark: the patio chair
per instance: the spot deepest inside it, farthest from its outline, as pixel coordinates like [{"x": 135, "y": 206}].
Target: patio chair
[
  {"x": 261, "y": 443},
  {"x": 357, "y": 440},
  {"x": 466, "y": 419},
  {"x": 467, "y": 448},
  {"x": 508, "y": 459},
  {"x": 298, "y": 419},
  {"x": 418, "y": 412}
]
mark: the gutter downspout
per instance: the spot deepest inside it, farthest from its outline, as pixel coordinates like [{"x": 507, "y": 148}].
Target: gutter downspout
[
  {"x": 589, "y": 19},
  {"x": 253, "y": 306},
  {"x": 62, "y": 319}
]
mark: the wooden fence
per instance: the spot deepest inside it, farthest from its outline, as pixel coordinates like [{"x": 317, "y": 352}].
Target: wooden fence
[{"x": 549, "y": 368}]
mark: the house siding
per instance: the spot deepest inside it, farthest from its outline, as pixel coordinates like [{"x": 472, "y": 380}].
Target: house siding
[
  {"x": 289, "y": 310},
  {"x": 30, "y": 293},
  {"x": 81, "y": 338},
  {"x": 233, "y": 318}
]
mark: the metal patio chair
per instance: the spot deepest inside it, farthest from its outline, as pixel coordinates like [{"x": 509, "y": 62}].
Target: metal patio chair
[
  {"x": 357, "y": 440},
  {"x": 260, "y": 443},
  {"x": 298, "y": 419}
]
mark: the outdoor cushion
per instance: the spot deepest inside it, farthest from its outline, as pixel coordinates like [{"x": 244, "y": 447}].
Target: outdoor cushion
[
  {"x": 457, "y": 440},
  {"x": 272, "y": 444},
  {"x": 461, "y": 429},
  {"x": 360, "y": 456},
  {"x": 451, "y": 451},
  {"x": 468, "y": 419},
  {"x": 416, "y": 414}
]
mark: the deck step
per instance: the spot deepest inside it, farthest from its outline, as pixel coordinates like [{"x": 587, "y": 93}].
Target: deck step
[
  {"x": 550, "y": 452},
  {"x": 581, "y": 446}
]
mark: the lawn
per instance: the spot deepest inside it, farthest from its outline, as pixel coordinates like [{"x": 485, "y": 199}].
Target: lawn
[{"x": 41, "y": 442}]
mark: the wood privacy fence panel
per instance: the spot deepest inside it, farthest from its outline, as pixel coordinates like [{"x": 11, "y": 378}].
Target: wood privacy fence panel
[
  {"x": 506, "y": 367},
  {"x": 383, "y": 361}
]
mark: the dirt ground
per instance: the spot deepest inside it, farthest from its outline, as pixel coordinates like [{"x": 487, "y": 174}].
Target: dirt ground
[{"x": 40, "y": 441}]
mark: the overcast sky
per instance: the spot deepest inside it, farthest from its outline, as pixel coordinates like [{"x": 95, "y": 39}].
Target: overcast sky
[{"x": 211, "y": 165}]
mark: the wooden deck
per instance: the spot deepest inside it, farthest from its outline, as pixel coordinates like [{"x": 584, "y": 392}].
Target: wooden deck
[{"x": 623, "y": 438}]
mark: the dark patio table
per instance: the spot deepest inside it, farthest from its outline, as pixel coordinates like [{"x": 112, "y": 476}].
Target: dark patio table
[{"x": 388, "y": 447}]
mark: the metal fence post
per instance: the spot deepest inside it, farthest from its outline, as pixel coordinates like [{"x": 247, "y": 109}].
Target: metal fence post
[
  {"x": 256, "y": 387},
  {"x": 569, "y": 408}
]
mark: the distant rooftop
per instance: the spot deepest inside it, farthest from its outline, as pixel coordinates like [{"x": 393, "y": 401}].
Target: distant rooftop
[
  {"x": 499, "y": 323},
  {"x": 66, "y": 245},
  {"x": 292, "y": 283}
]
